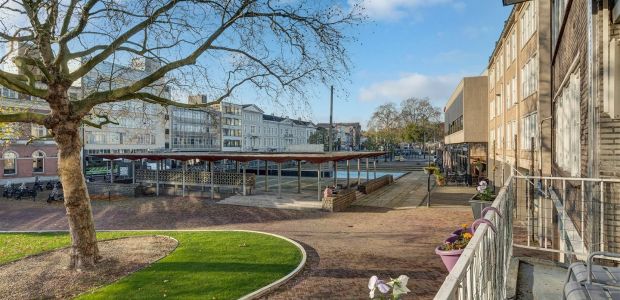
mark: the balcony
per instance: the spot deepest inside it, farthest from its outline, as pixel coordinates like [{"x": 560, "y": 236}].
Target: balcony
[{"x": 543, "y": 225}]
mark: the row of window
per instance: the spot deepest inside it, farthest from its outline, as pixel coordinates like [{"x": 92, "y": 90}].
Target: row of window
[
  {"x": 528, "y": 25},
  {"x": 529, "y": 130},
  {"x": 119, "y": 138},
  {"x": 9, "y": 159}
]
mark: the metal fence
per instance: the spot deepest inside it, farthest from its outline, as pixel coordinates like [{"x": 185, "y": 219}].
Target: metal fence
[
  {"x": 481, "y": 271},
  {"x": 554, "y": 218}
]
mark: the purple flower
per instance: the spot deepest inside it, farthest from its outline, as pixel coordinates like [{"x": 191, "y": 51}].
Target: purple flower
[{"x": 375, "y": 283}]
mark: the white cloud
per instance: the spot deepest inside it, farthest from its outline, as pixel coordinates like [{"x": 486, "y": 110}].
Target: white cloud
[
  {"x": 437, "y": 88},
  {"x": 396, "y": 9}
]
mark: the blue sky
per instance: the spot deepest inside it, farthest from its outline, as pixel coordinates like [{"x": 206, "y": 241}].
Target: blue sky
[{"x": 413, "y": 48}]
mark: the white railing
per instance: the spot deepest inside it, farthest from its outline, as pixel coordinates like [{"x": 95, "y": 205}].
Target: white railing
[
  {"x": 481, "y": 271},
  {"x": 555, "y": 218}
]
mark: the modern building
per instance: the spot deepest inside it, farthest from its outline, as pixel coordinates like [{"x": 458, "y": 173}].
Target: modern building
[
  {"x": 193, "y": 129},
  {"x": 347, "y": 135},
  {"x": 519, "y": 94},
  {"x": 141, "y": 125},
  {"x": 466, "y": 118}
]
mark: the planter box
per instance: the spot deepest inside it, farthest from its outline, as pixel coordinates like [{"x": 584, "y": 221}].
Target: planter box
[{"x": 478, "y": 205}]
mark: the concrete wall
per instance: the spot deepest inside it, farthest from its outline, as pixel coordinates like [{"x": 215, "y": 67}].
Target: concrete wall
[{"x": 475, "y": 109}]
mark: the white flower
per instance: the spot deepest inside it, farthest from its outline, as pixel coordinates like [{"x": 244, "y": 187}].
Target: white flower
[
  {"x": 399, "y": 286},
  {"x": 374, "y": 283}
]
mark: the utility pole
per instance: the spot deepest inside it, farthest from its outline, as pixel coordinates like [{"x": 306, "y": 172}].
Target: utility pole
[{"x": 331, "y": 119}]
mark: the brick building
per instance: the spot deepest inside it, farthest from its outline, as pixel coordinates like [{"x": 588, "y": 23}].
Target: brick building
[
  {"x": 585, "y": 65},
  {"x": 519, "y": 94}
]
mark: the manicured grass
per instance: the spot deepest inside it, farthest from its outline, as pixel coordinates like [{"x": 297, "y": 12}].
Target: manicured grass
[{"x": 205, "y": 265}]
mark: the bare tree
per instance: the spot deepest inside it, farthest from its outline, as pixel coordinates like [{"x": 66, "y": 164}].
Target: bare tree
[
  {"x": 385, "y": 117},
  {"x": 419, "y": 111},
  {"x": 275, "y": 46}
]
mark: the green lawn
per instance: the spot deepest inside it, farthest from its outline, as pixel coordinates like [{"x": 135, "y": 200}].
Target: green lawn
[{"x": 206, "y": 265}]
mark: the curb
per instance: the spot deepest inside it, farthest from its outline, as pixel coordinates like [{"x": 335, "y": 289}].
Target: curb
[{"x": 253, "y": 295}]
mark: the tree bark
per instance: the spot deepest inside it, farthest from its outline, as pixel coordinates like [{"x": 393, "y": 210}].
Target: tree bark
[{"x": 84, "y": 250}]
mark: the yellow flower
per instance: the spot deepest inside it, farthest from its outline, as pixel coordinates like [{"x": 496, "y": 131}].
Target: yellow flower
[
  {"x": 464, "y": 226},
  {"x": 467, "y": 235}
]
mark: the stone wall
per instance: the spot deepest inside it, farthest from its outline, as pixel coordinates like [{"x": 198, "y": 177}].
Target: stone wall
[
  {"x": 103, "y": 189},
  {"x": 340, "y": 202}
]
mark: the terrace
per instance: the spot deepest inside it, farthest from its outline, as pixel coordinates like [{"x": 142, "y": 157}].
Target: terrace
[{"x": 543, "y": 224}]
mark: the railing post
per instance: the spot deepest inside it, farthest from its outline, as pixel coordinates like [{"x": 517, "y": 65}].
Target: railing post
[
  {"x": 157, "y": 177},
  {"x": 583, "y": 213},
  {"x": 602, "y": 243}
]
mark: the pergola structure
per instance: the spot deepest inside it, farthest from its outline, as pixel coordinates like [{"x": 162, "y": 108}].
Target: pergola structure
[{"x": 243, "y": 157}]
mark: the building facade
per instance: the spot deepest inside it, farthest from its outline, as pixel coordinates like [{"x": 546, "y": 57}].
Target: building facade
[
  {"x": 252, "y": 127},
  {"x": 519, "y": 94},
  {"x": 466, "y": 119},
  {"x": 140, "y": 126},
  {"x": 347, "y": 135},
  {"x": 193, "y": 129},
  {"x": 27, "y": 152}
]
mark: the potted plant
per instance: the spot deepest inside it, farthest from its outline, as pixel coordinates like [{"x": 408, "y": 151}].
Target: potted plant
[
  {"x": 431, "y": 169},
  {"x": 439, "y": 178},
  {"x": 452, "y": 248},
  {"x": 483, "y": 199}
]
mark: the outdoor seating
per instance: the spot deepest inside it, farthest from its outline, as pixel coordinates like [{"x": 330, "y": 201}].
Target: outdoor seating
[{"x": 590, "y": 281}]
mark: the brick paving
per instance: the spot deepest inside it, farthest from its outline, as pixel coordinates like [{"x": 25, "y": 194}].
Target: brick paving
[{"x": 344, "y": 249}]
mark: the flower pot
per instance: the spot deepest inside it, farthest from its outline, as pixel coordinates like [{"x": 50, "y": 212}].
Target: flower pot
[
  {"x": 449, "y": 257},
  {"x": 477, "y": 206}
]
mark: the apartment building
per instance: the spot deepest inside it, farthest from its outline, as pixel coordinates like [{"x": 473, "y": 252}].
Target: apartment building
[
  {"x": 585, "y": 65},
  {"x": 519, "y": 94},
  {"x": 193, "y": 129},
  {"x": 466, "y": 119},
  {"x": 252, "y": 125},
  {"x": 347, "y": 135},
  {"x": 280, "y": 133},
  {"x": 141, "y": 125}
]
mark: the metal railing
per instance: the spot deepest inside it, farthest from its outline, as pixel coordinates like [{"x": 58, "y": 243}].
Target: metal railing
[
  {"x": 555, "y": 218},
  {"x": 481, "y": 271}
]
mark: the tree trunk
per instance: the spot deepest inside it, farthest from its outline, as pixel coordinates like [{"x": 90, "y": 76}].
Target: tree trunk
[{"x": 84, "y": 250}]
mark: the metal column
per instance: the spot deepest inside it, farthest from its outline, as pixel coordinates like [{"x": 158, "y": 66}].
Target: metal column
[
  {"x": 157, "y": 177},
  {"x": 211, "y": 181},
  {"x": 359, "y": 172},
  {"x": 299, "y": 176},
  {"x": 183, "y": 167},
  {"x": 243, "y": 170},
  {"x": 374, "y": 166},
  {"x": 318, "y": 182},
  {"x": 348, "y": 175},
  {"x": 133, "y": 171},
  {"x": 279, "y": 180},
  {"x": 266, "y": 176},
  {"x": 335, "y": 173},
  {"x": 111, "y": 171},
  {"x": 367, "y": 172}
]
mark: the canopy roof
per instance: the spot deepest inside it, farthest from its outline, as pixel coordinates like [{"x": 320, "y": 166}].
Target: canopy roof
[{"x": 245, "y": 156}]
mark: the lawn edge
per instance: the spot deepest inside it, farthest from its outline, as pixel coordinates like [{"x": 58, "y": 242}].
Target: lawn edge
[{"x": 253, "y": 295}]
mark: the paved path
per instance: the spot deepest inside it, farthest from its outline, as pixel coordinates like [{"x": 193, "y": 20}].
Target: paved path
[
  {"x": 408, "y": 191},
  {"x": 344, "y": 249}
]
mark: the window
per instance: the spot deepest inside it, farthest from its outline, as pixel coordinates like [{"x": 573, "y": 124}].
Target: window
[
  {"x": 529, "y": 77},
  {"x": 492, "y": 109},
  {"x": 529, "y": 130},
  {"x": 7, "y": 93},
  {"x": 38, "y": 157},
  {"x": 513, "y": 90},
  {"x": 38, "y": 131},
  {"x": 498, "y": 106},
  {"x": 513, "y": 46},
  {"x": 568, "y": 127},
  {"x": 528, "y": 22},
  {"x": 492, "y": 136},
  {"x": 508, "y": 94},
  {"x": 557, "y": 15},
  {"x": 500, "y": 137},
  {"x": 10, "y": 162}
]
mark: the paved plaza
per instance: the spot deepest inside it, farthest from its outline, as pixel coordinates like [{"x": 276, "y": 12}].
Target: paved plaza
[{"x": 344, "y": 249}]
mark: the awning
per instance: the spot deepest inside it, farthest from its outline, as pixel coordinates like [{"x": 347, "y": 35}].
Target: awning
[{"x": 245, "y": 156}]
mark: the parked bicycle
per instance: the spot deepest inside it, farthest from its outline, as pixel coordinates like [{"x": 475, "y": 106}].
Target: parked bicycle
[{"x": 55, "y": 195}]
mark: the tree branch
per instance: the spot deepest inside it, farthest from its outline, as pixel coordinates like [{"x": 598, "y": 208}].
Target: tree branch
[
  {"x": 106, "y": 120},
  {"x": 24, "y": 117}
]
